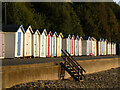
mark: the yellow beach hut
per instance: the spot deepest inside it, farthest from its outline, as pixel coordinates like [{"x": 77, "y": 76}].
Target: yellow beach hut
[
  {"x": 105, "y": 47},
  {"x": 59, "y": 44}
]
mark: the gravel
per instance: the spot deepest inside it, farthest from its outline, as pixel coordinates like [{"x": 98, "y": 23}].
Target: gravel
[{"x": 105, "y": 79}]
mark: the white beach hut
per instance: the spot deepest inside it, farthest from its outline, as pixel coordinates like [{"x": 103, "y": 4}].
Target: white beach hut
[
  {"x": 43, "y": 43},
  {"x": 2, "y": 52},
  {"x": 36, "y": 43},
  {"x": 76, "y": 45},
  {"x": 80, "y": 46},
  {"x": 13, "y": 41},
  {"x": 28, "y": 44},
  {"x": 54, "y": 44}
]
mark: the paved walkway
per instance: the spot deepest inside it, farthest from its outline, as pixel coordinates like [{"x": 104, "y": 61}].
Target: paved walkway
[{"x": 7, "y": 62}]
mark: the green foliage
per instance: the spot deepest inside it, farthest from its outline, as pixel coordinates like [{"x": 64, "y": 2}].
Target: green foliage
[{"x": 84, "y": 19}]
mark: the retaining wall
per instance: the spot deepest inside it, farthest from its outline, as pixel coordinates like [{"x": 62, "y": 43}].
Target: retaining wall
[{"x": 12, "y": 75}]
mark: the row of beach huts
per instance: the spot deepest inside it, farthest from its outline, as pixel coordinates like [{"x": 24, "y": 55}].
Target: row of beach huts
[{"x": 18, "y": 41}]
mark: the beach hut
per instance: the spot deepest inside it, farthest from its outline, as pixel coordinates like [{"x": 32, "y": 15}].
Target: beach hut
[
  {"x": 36, "y": 43},
  {"x": 102, "y": 46},
  {"x": 105, "y": 47},
  {"x": 64, "y": 42},
  {"x": 69, "y": 43},
  {"x": 92, "y": 46},
  {"x": 99, "y": 50},
  {"x": 86, "y": 45},
  {"x": 112, "y": 49},
  {"x": 76, "y": 45},
  {"x": 2, "y": 52},
  {"x": 28, "y": 45},
  {"x": 13, "y": 41},
  {"x": 80, "y": 46},
  {"x": 54, "y": 44},
  {"x": 73, "y": 45},
  {"x": 108, "y": 48},
  {"x": 43, "y": 43},
  {"x": 95, "y": 52},
  {"x": 59, "y": 44},
  {"x": 49, "y": 44}
]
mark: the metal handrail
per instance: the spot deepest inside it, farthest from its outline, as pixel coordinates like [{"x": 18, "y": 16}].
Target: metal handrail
[
  {"x": 71, "y": 61},
  {"x": 75, "y": 61}
]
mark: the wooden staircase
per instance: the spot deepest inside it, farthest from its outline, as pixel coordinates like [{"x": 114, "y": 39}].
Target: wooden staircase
[{"x": 72, "y": 66}]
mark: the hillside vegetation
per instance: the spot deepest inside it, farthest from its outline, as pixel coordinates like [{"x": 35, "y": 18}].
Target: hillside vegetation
[{"x": 84, "y": 19}]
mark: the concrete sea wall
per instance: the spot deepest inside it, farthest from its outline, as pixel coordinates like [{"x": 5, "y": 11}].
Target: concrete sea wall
[{"x": 12, "y": 75}]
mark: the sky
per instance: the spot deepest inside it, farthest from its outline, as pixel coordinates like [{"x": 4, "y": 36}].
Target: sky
[{"x": 116, "y": 0}]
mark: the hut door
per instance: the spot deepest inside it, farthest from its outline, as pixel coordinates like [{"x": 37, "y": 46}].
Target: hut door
[
  {"x": 27, "y": 44},
  {"x": 59, "y": 46},
  {"x": 36, "y": 49},
  {"x": 68, "y": 45},
  {"x": 19, "y": 44},
  {"x": 72, "y": 46},
  {"x": 43, "y": 40},
  {"x": 80, "y": 47},
  {"x": 76, "y": 47},
  {"x": 53, "y": 45},
  {"x": 87, "y": 47},
  {"x": 48, "y": 45},
  {"x": 1, "y": 44}
]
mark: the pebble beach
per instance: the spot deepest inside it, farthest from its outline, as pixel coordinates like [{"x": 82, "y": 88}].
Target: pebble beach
[{"x": 104, "y": 79}]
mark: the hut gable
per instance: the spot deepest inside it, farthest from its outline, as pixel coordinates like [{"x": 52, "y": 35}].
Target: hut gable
[
  {"x": 77, "y": 37},
  {"x": 29, "y": 29},
  {"x": 50, "y": 33},
  {"x": 55, "y": 34},
  {"x": 81, "y": 38},
  {"x": 36, "y": 31},
  {"x": 69, "y": 36},
  {"x": 73, "y": 36}
]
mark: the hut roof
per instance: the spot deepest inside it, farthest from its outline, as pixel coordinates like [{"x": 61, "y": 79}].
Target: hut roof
[{"x": 11, "y": 28}]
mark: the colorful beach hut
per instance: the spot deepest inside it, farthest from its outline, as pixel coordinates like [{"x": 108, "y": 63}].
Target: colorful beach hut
[
  {"x": 13, "y": 41},
  {"x": 2, "y": 52},
  {"x": 73, "y": 45},
  {"x": 59, "y": 44},
  {"x": 102, "y": 46},
  {"x": 49, "y": 44},
  {"x": 92, "y": 46},
  {"x": 105, "y": 47},
  {"x": 43, "y": 43},
  {"x": 54, "y": 44},
  {"x": 86, "y": 45},
  {"x": 69, "y": 43},
  {"x": 28, "y": 45},
  {"x": 36, "y": 43},
  {"x": 80, "y": 46},
  {"x": 95, "y": 52},
  {"x": 76, "y": 45}
]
